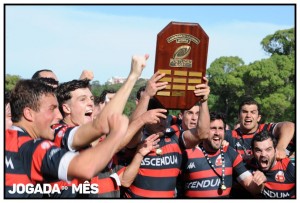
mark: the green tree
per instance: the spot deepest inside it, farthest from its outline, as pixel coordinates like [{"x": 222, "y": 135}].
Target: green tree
[
  {"x": 11, "y": 81},
  {"x": 282, "y": 42},
  {"x": 226, "y": 87},
  {"x": 271, "y": 82}
]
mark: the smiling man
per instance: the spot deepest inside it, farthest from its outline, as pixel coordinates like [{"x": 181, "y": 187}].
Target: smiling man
[
  {"x": 32, "y": 159},
  {"x": 209, "y": 168}
]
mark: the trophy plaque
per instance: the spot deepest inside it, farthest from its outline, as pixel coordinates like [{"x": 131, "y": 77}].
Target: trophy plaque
[{"x": 181, "y": 53}]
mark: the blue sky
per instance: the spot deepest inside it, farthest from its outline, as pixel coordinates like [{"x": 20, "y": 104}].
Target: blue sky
[{"x": 101, "y": 38}]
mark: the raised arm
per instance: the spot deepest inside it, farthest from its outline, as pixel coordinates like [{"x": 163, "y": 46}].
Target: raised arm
[
  {"x": 284, "y": 132},
  {"x": 99, "y": 125},
  {"x": 193, "y": 136},
  {"x": 91, "y": 161},
  {"x": 153, "y": 85}
]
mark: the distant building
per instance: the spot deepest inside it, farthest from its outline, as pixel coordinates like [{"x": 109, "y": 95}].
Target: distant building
[{"x": 116, "y": 80}]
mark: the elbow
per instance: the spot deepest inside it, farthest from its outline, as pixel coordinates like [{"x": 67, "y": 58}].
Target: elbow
[
  {"x": 126, "y": 183},
  {"x": 203, "y": 134},
  {"x": 87, "y": 174}
]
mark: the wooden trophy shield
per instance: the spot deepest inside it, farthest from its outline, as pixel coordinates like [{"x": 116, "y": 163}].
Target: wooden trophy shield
[{"x": 181, "y": 53}]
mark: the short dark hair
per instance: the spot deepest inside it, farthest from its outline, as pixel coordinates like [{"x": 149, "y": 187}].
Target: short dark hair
[
  {"x": 218, "y": 116},
  {"x": 155, "y": 104},
  {"x": 249, "y": 101},
  {"x": 48, "y": 81},
  {"x": 37, "y": 73},
  {"x": 27, "y": 93},
  {"x": 96, "y": 100},
  {"x": 7, "y": 97},
  {"x": 262, "y": 136},
  {"x": 138, "y": 93},
  {"x": 104, "y": 93},
  {"x": 64, "y": 90}
]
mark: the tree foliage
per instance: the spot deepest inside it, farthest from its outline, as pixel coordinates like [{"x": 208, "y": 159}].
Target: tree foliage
[
  {"x": 271, "y": 82},
  {"x": 282, "y": 42},
  {"x": 11, "y": 81}
]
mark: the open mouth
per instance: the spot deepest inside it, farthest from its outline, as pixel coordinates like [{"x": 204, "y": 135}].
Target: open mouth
[
  {"x": 264, "y": 162},
  {"x": 248, "y": 122},
  {"x": 216, "y": 140},
  {"x": 193, "y": 125},
  {"x": 89, "y": 113}
]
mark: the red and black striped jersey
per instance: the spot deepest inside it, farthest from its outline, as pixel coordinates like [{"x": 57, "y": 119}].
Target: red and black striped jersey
[
  {"x": 42, "y": 161},
  {"x": 242, "y": 142},
  {"x": 158, "y": 172},
  {"x": 281, "y": 179},
  {"x": 108, "y": 182},
  {"x": 15, "y": 173},
  {"x": 201, "y": 181}
]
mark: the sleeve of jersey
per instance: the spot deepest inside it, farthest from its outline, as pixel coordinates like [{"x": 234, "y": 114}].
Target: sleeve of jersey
[
  {"x": 49, "y": 162},
  {"x": 290, "y": 170},
  {"x": 228, "y": 137},
  {"x": 238, "y": 165},
  {"x": 64, "y": 137}
]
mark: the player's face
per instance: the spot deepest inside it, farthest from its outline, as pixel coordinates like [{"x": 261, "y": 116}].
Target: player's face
[
  {"x": 8, "y": 122},
  {"x": 216, "y": 135},
  {"x": 264, "y": 153},
  {"x": 249, "y": 118},
  {"x": 80, "y": 106},
  {"x": 47, "y": 116},
  {"x": 190, "y": 118}
]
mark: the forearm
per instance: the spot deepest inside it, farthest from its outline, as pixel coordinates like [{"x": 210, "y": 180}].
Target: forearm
[
  {"x": 203, "y": 122},
  {"x": 285, "y": 133},
  {"x": 89, "y": 132},
  {"x": 133, "y": 134},
  {"x": 132, "y": 170},
  {"x": 91, "y": 161},
  {"x": 141, "y": 107}
]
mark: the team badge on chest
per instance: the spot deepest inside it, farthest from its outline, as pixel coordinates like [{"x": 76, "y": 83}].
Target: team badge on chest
[
  {"x": 218, "y": 161},
  {"x": 279, "y": 177}
]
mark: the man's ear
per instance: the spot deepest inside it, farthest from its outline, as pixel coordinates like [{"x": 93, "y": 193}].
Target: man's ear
[
  {"x": 66, "y": 108},
  {"x": 258, "y": 118},
  {"x": 28, "y": 114}
]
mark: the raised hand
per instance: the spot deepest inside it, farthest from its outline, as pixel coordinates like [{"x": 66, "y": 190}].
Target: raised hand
[
  {"x": 149, "y": 144},
  {"x": 138, "y": 63},
  {"x": 153, "y": 116},
  {"x": 202, "y": 90},
  {"x": 87, "y": 74},
  {"x": 153, "y": 85}
]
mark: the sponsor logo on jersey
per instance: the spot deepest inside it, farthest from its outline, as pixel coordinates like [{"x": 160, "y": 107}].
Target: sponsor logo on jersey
[
  {"x": 209, "y": 183},
  {"x": 279, "y": 177},
  {"x": 160, "y": 161},
  {"x": 191, "y": 165},
  {"x": 9, "y": 163},
  {"x": 273, "y": 194}
]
